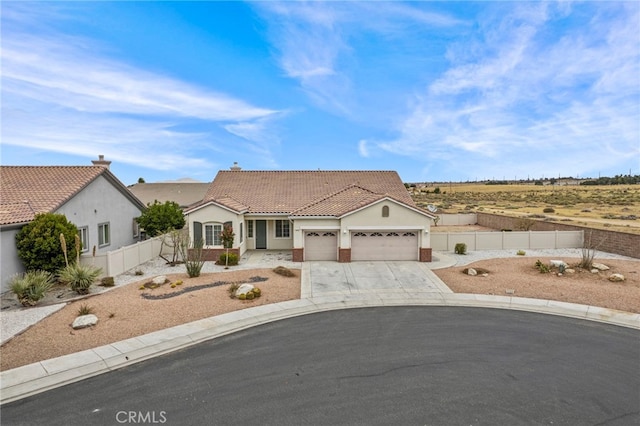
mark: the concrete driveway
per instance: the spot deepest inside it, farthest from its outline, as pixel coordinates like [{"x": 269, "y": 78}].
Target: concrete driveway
[{"x": 333, "y": 278}]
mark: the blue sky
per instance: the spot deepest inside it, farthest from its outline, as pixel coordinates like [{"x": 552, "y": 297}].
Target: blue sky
[{"x": 439, "y": 91}]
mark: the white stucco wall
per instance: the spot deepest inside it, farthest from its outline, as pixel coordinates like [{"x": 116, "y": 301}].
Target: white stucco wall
[
  {"x": 101, "y": 202},
  {"x": 400, "y": 217},
  {"x": 10, "y": 263}
]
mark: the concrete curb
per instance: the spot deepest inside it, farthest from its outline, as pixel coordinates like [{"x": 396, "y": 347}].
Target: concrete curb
[{"x": 38, "y": 377}]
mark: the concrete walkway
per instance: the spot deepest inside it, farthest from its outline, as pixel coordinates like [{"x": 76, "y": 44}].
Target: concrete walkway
[{"x": 325, "y": 286}]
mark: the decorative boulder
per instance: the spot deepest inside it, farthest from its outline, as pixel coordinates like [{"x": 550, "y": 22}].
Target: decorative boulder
[
  {"x": 472, "y": 272},
  {"x": 595, "y": 271},
  {"x": 244, "y": 289},
  {"x": 159, "y": 280},
  {"x": 616, "y": 278},
  {"x": 558, "y": 263},
  {"x": 600, "y": 266},
  {"x": 84, "y": 321},
  {"x": 569, "y": 271}
]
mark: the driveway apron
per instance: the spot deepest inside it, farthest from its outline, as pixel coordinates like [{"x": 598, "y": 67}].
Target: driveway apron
[{"x": 331, "y": 278}]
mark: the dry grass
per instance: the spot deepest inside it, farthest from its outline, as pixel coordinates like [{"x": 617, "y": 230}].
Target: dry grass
[{"x": 603, "y": 207}]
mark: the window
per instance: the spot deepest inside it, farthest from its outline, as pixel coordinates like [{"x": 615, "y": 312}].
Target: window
[
  {"x": 83, "y": 233},
  {"x": 282, "y": 229},
  {"x": 250, "y": 229},
  {"x": 104, "y": 234},
  {"x": 385, "y": 211},
  {"x": 241, "y": 237},
  {"x": 212, "y": 235}
]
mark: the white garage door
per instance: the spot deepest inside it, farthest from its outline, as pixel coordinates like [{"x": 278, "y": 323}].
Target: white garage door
[
  {"x": 321, "y": 245},
  {"x": 388, "y": 245}
]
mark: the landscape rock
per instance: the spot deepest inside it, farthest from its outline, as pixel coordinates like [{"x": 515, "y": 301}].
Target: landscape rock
[
  {"x": 616, "y": 278},
  {"x": 159, "y": 280},
  {"x": 472, "y": 272},
  {"x": 595, "y": 271},
  {"x": 558, "y": 263},
  {"x": 244, "y": 289},
  {"x": 600, "y": 266},
  {"x": 569, "y": 271},
  {"x": 84, "y": 321}
]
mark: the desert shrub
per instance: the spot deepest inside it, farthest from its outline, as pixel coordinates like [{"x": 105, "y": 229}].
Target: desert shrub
[
  {"x": 548, "y": 210},
  {"x": 193, "y": 257},
  {"x": 242, "y": 296},
  {"x": 460, "y": 248},
  {"x": 230, "y": 259},
  {"x": 256, "y": 291},
  {"x": 139, "y": 272},
  {"x": 38, "y": 242},
  {"x": 521, "y": 253},
  {"x": 285, "y": 272},
  {"x": 542, "y": 267},
  {"x": 250, "y": 295},
  {"x": 79, "y": 277},
  {"x": 31, "y": 286},
  {"x": 107, "y": 282},
  {"x": 85, "y": 310}
]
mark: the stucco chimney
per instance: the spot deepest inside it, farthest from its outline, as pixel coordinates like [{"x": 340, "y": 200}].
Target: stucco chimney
[
  {"x": 101, "y": 162},
  {"x": 235, "y": 167}
]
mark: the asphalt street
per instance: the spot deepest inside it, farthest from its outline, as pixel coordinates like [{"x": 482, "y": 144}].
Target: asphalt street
[{"x": 367, "y": 366}]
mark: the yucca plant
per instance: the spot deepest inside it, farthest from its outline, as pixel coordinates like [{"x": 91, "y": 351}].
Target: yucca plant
[
  {"x": 79, "y": 277},
  {"x": 31, "y": 286}
]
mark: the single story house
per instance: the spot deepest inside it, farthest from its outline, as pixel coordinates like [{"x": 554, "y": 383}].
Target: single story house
[
  {"x": 91, "y": 198},
  {"x": 319, "y": 215}
]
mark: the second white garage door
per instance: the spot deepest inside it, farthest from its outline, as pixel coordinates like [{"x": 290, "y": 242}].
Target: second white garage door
[
  {"x": 384, "y": 246},
  {"x": 321, "y": 245}
]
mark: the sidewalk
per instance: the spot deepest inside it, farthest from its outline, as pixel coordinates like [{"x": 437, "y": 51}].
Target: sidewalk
[{"x": 317, "y": 296}]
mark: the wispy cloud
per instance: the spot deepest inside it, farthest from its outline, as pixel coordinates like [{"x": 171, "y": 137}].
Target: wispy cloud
[
  {"x": 313, "y": 41},
  {"x": 64, "y": 93},
  {"x": 571, "y": 101}
]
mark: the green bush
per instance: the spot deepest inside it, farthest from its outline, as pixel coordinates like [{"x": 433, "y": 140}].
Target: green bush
[
  {"x": 79, "y": 277},
  {"x": 31, "y": 286},
  {"x": 256, "y": 291},
  {"x": 548, "y": 210},
  {"x": 160, "y": 218},
  {"x": 460, "y": 248},
  {"x": 233, "y": 259},
  {"x": 107, "y": 282},
  {"x": 38, "y": 242},
  {"x": 521, "y": 253}
]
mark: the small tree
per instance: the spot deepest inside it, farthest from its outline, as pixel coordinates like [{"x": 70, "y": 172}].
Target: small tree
[
  {"x": 38, "y": 242},
  {"x": 227, "y": 238},
  {"x": 160, "y": 218}
]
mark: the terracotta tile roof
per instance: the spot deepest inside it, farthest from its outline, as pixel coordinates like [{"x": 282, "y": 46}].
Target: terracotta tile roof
[
  {"x": 27, "y": 190},
  {"x": 305, "y": 192},
  {"x": 183, "y": 193}
]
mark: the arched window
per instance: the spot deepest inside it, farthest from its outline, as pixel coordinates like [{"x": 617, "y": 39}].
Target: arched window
[{"x": 385, "y": 211}]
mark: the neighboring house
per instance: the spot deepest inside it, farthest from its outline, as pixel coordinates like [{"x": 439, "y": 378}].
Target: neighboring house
[
  {"x": 319, "y": 215},
  {"x": 91, "y": 198},
  {"x": 183, "y": 193}
]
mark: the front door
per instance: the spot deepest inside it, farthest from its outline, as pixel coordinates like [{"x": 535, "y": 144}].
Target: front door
[{"x": 261, "y": 234}]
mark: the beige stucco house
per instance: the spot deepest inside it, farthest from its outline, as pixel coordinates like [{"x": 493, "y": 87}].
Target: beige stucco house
[{"x": 319, "y": 215}]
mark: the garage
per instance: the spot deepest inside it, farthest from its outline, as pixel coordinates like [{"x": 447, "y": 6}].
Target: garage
[
  {"x": 384, "y": 245},
  {"x": 321, "y": 245}
]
